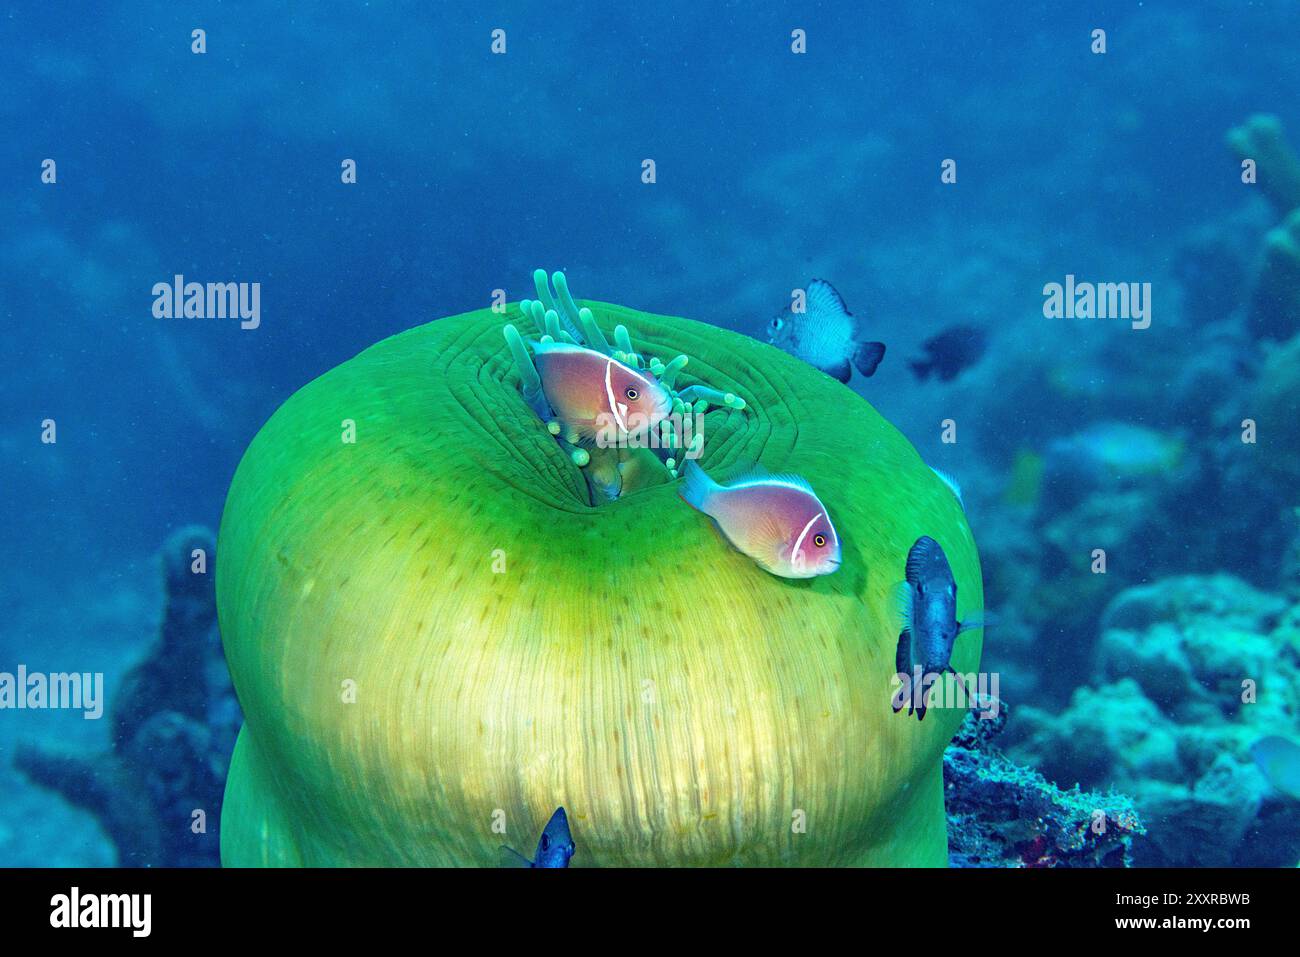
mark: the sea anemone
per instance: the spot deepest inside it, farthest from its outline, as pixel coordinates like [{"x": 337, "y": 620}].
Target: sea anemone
[{"x": 438, "y": 636}]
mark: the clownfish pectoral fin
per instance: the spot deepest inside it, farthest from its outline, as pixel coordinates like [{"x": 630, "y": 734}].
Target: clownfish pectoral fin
[
  {"x": 765, "y": 539},
  {"x": 509, "y": 857}
]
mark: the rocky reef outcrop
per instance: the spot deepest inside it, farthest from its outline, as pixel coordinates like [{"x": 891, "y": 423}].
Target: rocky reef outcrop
[
  {"x": 1003, "y": 814},
  {"x": 1189, "y": 673},
  {"x": 157, "y": 790}
]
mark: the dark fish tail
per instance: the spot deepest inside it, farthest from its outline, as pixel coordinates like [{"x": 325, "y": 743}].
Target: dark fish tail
[
  {"x": 867, "y": 356},
  {"x": 843, "y": 372},
  {"x": 921, "y": 368}
]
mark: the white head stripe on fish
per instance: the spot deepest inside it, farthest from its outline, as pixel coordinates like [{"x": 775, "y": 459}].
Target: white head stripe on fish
[
  {"x": 619, "y": 408},
  {"x": 798, "y": 542},
  {"x": 609, "y": 394}
]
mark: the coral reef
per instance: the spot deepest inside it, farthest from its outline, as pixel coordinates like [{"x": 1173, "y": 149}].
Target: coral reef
[
  {"x": 1039, "y": 549},
  {"x": 1274, "y": 404},
  {"x": 1001, "y": 814},
  {"x": 1275, "y": 299},
  {"x": 1109, "y": 486},
  {"x": 1143, "y": 687},
  {"x": 1210, "y": 266},
  {"x": 1261, "y": 139},
  {"x": 174, "y": 721},
  {"x": 1190, "y": 671},
  {"x": 433, "y": 628}
]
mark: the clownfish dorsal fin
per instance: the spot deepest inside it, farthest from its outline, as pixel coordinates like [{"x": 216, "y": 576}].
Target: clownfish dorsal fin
[
  {"x": 758, "y": 475},
  {"x": 767, "y": 537},
  {"x": 542, "y": 348}
]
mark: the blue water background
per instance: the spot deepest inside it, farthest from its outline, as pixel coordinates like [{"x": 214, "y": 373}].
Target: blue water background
[{"x": 474, "y": 169}]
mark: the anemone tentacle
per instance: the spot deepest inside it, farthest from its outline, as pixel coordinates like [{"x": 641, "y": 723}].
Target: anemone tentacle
[
  {"x": 530, "y": 382},
  {"x": 595, "y": 338},
  {"x": 669, "y": 376}
]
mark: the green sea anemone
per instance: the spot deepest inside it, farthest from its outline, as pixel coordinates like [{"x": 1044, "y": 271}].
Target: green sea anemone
[{"x": 437, "y": 638}]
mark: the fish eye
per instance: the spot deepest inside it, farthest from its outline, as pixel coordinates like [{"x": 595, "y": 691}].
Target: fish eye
[
  {"x": 819, "y": 541},
  {"x": 546, "y": 843},
  {"x": 776, "y": 322},
  {"x": 632, "y": 394}
]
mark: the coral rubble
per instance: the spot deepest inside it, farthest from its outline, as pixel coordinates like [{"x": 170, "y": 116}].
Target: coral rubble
[{"x": 1001, "y": 814}]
